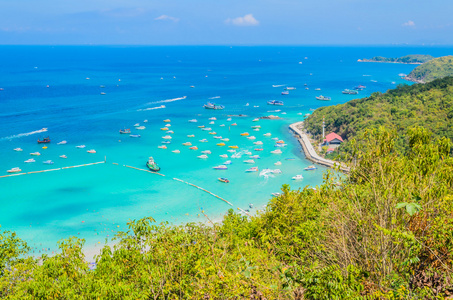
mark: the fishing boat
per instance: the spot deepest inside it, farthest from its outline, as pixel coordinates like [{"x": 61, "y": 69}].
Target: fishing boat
[
  {"x": 206, "y": 152},
  {"x": 310, "y": 168},
  {"x": 141, "y": 127},
  {"x": 278, "y": 151},
  {"x": 193, "y": 148},
  {"x": 63, "y": 156},
  {"x": 223, "y": 155},
  {"x": 221, "y": 167},
  {"x": 122, "y": 131},
  {"x": 285, "y": 93},
  {"x": 233, "y": 147},
  {"x": 252, "y": 169},
  {"x": 167, "y": 120},
  {"x": 134, "y": 135},
  {"x": 31, "y": 160},
  {"x": 224, "y": 180},
  {"x": 152, "y": 165},
  {"x": 225, "y": 139},
  {"x": 81, "y": 146},
  {"x": 204, "y": 140},
  {"x": 91, "y": 151},
  {"x": 62, "y": 143},
  {"x": 193, "y": 121},
  {"x": 298, "y": 177},
  {"x": 35, "y": 153},
  {"x": 167, "y": 137},
  {"x": 18, "y": 149},
  {"x": 275, "y": 102},
  {"x": 350, "y": 92},
  {"x": 176, "y": 151},
  {"x": 203, "y": 156},
  {"x": 210, "y": 105},
  {"x": 323, "y": 98},
  {"x": 267, "y": 134},
  {"x": 14, "y": 170},
  {"x": 191, "y": 135},
  {"x": 228, "y": 162},
  {"x": 249, "y": 161},
  {"x": 48, "y": 162},
  {"x": 245, "y": 134},
  {"x": 278, "y": 163},
  {"x": 220, "y": 144},
  {"x": 44, "y": 140}
]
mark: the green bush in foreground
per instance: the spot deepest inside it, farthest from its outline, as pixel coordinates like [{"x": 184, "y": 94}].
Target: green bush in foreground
[{"x": 384, "y": 232}]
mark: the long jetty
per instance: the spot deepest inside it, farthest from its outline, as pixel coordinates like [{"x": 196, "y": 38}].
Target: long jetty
[{"x": 310, "y": 152}]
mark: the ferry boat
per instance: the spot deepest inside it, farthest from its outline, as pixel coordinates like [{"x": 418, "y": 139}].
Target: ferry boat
[
  {"x": 350, "y": 92},
  {"x": 152, "y": 165},
  {"x": 252, "y": 169},
  {"x": 14, "y": 170},
  {"x": 122, "y": 131},
  {"x": 221, "y": 167},
  {"x": 310, "y": 168},
  {"x": 275, "y": 102},
  {"x": 44, "y": 140},
  {"x": 210, "y": 105},
  {"x": 323, "y": 98},
  {"x": 224, "y": 180}
]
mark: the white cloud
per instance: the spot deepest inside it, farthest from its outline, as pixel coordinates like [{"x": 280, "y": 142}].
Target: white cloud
[
  {"x": 166, "y": 18},
  {"x": 409, "y": 24},
  {"x": 247, "y": 20}
]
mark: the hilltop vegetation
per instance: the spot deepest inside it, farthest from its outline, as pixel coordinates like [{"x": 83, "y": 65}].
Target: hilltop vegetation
[
  {"x": 408, "y": 59},
  {"x": 437, "y": 68},
  {"x": 384, "y": 232},
  {"x": 428, "y": 105}
]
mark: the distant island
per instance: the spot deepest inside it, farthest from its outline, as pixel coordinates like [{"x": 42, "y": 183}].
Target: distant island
[
  {"x": 436, "y": 68},
  {"x": 414, "y": 59}
]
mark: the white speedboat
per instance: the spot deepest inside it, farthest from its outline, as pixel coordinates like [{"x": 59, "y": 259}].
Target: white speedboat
[
  {"x": 191, "y": 135},
  {"x": 202, "y": 156},
  {"x": 212, "y": 119},
  {"x": 137, "y": 125},
  {"x": 279, "y": 163},
  {"x": 310, "y": 168},
  {"x": 256, "y": 126},
  {"x": 231, "y": 150},
  {"x": 162, "y": 147},
  {"x": 170, "y": 131},
  {"x": 228, "y": 162},
  {"x": 204, "y": 140},
  {"x": 255, "y": 156},
  {"x": 206, "y": 129},
  {"x": 211, "y": 123},
  {"x": 31, "y": 160},
  {"x": 251, "y": 137},
  {"x": 276, "y": 194},
  {"x": 222, "y": 125},
  {"x": 275, "y": 138},
  {"x": 206, "y": 152},
  {"x": 258, "y": 143},
  {"x": 62, "y": 143},
  {"x": 141, "y": 127},
  {"x": 63, "y": 156},
  {"x": 167, "y": 125},
  {"x": 91, "y": 151},
  {"x": 249, "y": 161},
  {"x": 298, "y": 177},
  {"x": 167, "y": 137},
  {"x": 278, "y": 151},
  {"x": 176, "y": 151},
  {"x": 229, "y": 119},
  {"x": 221, "y": 167},
  {"x": 277, "y": 171},
  {"x": 18, "y": 149},
  {"x": 256, "y": 129},
  {"x": 35, "y": 153},
  {"x": 223, "y": 155},
  {"x": 80, "y": 146},
  {"x": 226, "y": 139},
  {"x": 256, "y": 120},
  {"x": 14, "y": 170},
  {"x": 187, "y": 144},
  {"x": 48, "y": 162},
  {"x": 252, "y": 169},
  {"x": 145, "y": 121},
  {"x": 267, "y": 134},
  {"x": 217, "y": 137},
  {"x": 193, "y": 121}
]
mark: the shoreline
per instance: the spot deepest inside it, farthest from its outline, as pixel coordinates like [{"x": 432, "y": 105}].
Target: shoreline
[
  {"x": 389, "y": 62},
  {"x": 310, "y": 152}
]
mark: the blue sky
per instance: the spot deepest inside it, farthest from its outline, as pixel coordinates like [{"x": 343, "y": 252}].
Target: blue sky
[{"x": 227, "y": 22}]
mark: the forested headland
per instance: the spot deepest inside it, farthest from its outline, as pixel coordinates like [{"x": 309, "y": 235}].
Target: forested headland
[
  {"x": 437, "y": 68},
  {"x": 408, "y": 59}
]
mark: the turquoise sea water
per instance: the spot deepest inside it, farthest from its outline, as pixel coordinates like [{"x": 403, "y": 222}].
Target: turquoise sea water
[{"x": 94, "y": 202}]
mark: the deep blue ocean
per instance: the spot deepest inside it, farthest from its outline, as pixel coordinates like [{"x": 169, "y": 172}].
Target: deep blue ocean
[{"x": 59, "y": 88}]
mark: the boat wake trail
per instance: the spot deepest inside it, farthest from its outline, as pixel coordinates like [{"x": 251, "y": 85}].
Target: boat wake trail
[
  {"x": 166, "y": 101},
  {"x": 23, "y": 134},
  {"x": 216, "y": 97},
  {"x": 267, "y": 173},
  {"x": 151, "y": 108}
]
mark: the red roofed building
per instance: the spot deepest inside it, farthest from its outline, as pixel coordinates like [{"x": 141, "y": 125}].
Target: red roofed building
[
  {"x": 333, "y": 138},
  {"x": 330, "y": 150}
]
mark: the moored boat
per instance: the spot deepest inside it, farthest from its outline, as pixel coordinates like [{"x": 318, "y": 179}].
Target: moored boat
[
  {"x": 224, "y": 180},
  {"x": 81, "y": 146},
  {"x": 323, "y": 98},
  {"x": 31, "y": 160},
  {"x": 298, "y": 177},
  {"x": 275, "y": 102},
  {"x": 18, "y": 149},
  {"x": 310, "y": 168},
  {"x": 152, "y": 165},
  {"x": 14, "y": 170},
  {"x": 44, "y": 140},
  {"x": 134, "y": 135},
  {"x": 210, "y": 105},
  {"x": 221, "y": 167},
  {"x": 122, "y": 131},
  {"x": 252, "y": 169},
  {"x": 350, "y": 92},
  {"x": 91, "y": 151},
  {"x": 35, "y": 153},
  {"x": 48, "y": 162},
  {"x": 62, "y": 143}
]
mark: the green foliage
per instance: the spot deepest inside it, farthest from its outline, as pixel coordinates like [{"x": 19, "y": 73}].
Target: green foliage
[
  {"x": 437, "y": 68},
  {"x": 348, "y": 239},
  {"x": 408, "y": 59}
]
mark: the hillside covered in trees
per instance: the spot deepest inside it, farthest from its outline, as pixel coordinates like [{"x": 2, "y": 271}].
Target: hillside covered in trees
[
  {"x": 434, "y": 69},
  {"x": 408, "y": 59},
  {"x": 383, "y": 232},
  {"x": 428, "y": 105}
]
